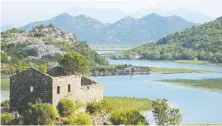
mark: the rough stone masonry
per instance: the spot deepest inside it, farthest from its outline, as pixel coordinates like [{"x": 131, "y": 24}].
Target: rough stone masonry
[{"x": 31, "y": 84}]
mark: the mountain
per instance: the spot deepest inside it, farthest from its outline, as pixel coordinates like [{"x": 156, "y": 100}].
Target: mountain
[
  {"x": 192, "y": 16},
  {"x": 203, "y": 42},
  {"x": 105, "y": 15},
  {"x": 127, "y": 30}
]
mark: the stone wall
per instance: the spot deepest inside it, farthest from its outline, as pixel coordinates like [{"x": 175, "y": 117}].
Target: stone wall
[
  {"x": 91, "y": 92},
  {"x": 20, "y": 85},
  {"x": 82, "y": 89},
  {"x": 45, "y": 87}
]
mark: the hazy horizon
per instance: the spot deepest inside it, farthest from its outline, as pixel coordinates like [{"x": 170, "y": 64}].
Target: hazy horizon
[{"x": 19, "y": 13}]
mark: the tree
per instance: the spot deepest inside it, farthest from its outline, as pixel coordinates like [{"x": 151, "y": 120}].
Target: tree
[
  {"x": 7, "y": 119},
  {"x": 66, "y": 107},
  {"x": 43, "y": 68},
  {"x": 51, "y": 25},
  {"x": 74, "y": 63},
  {"x": 40, "y": 114},
  {"x": 164, "y": 115}
]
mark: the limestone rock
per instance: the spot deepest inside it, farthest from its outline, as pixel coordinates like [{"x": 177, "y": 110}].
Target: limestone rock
[
  {"x": 102, "y": 118},
  {"x": 43, "y": 50}
]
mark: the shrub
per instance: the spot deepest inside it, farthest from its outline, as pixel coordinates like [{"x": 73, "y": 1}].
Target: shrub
[
  {"x": 51, "y": 25},
  {"x": 80, "y": 119},
  {"x": 129, "y": 117},
  {"x": 40, "y": 26},
  {"x": 40, "y": 114},
  {"x": 94, "y": 107},
  {"x": 97, "y": 107},
  {"x": 23, "y": 66},
  {"x": 164, "y": 115},
  {"x": 43, "y": 68},
  {"x": 7, "y": 119},
  {"x": 38, "y": 35},
  {"x": 5, "y": 104},
  {"x": 66, "y": 107},
  {"x": 4, "y": 57},
  {"x": 106, "y": 106}
]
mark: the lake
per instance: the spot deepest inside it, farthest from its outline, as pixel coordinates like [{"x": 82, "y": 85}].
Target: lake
[{"x": 197, "y": 106}]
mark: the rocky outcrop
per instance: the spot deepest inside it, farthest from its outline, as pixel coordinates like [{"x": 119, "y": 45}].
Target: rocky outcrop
[
  {"x": 41, "y": 50},
  {"x": 124, "y": 71},
  {"x": 40, "y": 35},
  {"x": 102, "y": 118},
  {"x": 56, "y": 33},
  {"x": 22, "y": 38}
]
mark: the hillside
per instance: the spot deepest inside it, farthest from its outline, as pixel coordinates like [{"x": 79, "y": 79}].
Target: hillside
[
  {"x": 128, "y": 30},
  {"x": 202, "y": 42},
  {"x": 43, "y": 44}
]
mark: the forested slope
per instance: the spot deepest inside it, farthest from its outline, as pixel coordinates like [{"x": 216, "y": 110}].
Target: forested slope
[{"x": 202, "y": 42}]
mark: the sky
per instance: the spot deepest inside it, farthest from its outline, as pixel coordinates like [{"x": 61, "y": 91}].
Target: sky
[{"x": 18, "y": 12}]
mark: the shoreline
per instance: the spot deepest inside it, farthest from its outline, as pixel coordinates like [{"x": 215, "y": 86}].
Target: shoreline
[
  {"x": 198, "y": 62},
  {"x": 210, "y": 85}
]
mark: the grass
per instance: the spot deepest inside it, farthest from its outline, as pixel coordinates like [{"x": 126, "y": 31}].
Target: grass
[
  {"x": 5, "y": 75},
  {"x": 213, "y": 84},
  {"x": 129, "y": 103},
  {"x": 4, "y": 84},
  {"x": 178, "y": 70},
  {"x": 199, "y": 62}
]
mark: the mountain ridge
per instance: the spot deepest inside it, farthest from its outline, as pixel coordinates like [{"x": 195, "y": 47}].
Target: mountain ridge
[{"x": 127, "y": 30}]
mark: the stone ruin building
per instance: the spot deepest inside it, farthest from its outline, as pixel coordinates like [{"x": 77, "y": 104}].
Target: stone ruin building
[{"x": 31, "y": 84}]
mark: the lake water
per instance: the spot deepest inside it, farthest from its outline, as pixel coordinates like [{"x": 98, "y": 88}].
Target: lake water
[{"x": 197, "y": 106}]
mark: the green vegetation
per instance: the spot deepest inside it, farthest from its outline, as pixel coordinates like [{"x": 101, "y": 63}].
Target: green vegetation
[
  {"x": 40, "y": 26},
  {"x": 123, "y": 110},
  {"x": 66, "y": 107},
  {"x": 127, "y": 117},
  {"x": 200, "y": 62},
  {"x": 126, "y": 103},
  {"x": 201, "y": 42},
  {"x": 80, "y": 119},
  {"x": 97, "y": 107},
  {"x": 164, "y": 115},
  {"x": 43, "y": 68},
  {"x": 74, "y": 63},
  {"x": 40, "y": 114},
  {"x": 7, "y": 119},
  {"x": 5, "y": 104},
  {"x": 15, "y": 56},
  {"x": 178, "y": 70},
  {"x": 214, "y": 84},
  {"x": 5, "y": 84},
  {"x": 51, "y": 25},
  {"x": 9, "y": 33}
]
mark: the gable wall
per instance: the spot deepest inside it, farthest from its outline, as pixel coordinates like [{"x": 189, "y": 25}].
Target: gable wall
[{"x": 20, "y": 94}]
